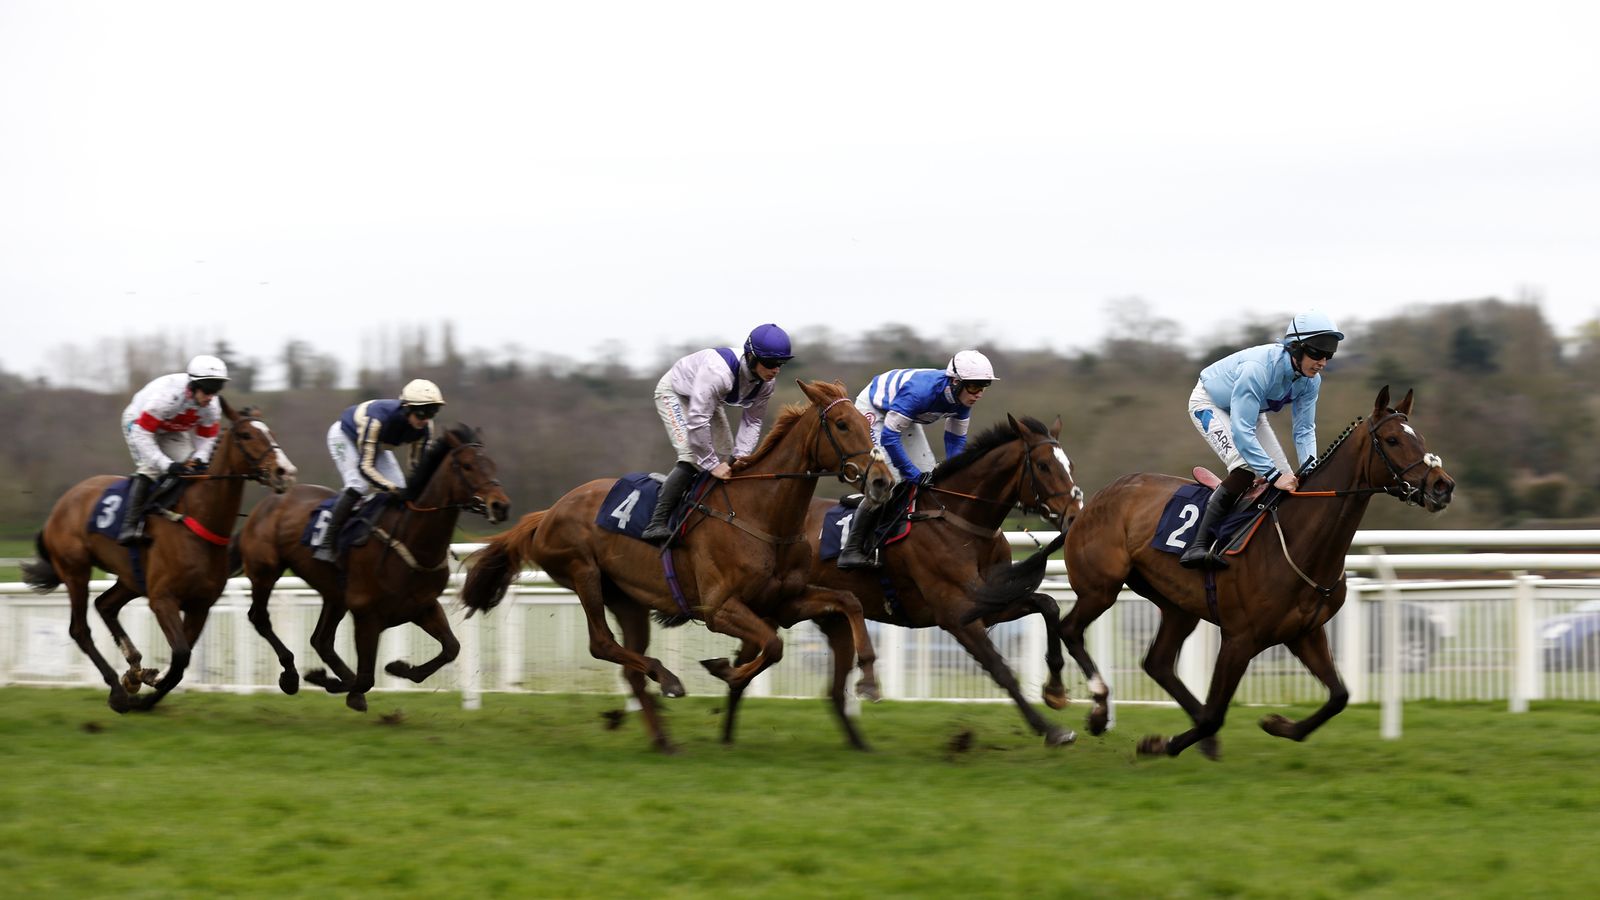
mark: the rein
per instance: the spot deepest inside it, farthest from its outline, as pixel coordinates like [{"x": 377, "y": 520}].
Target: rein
[{"x": 1038, "y": 507}]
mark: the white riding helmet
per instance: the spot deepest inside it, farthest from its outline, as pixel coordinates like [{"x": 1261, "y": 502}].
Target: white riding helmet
[
  {"x": 970, "y": 365},
  {"x": 207, "y": 368},
  {"x": 421, "y": 392}
]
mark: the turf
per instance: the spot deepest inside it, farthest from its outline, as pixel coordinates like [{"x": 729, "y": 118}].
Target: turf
[{"x": 533, "y": 795}]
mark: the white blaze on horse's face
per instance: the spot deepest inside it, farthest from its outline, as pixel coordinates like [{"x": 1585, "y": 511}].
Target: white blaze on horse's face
[
  {"x": 1408, "y": 430},
  {"x": 1061, "y": 457},
  {"x": 284, "y": 464}
]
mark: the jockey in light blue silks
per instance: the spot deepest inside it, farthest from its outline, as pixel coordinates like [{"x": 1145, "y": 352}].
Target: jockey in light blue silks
[
  {"x": 691, "y": 398},
  {"x": 899, "y": 403},
  {"x": 1229, "y": 408}
]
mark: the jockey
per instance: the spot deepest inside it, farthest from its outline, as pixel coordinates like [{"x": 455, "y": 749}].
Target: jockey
[
  {"x": 897, "y": 404},
  {"x": 362, "y": 442},
  {"x": 1229, "y": 408},
  {"x": 171, "y": 427},
  {"x": 691, "y": 398}
]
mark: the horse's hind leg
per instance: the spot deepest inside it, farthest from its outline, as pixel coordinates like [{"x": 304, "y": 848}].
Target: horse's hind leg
[
  {"x": 592, "y": 596},
  {"x": 109, "y": 605},
  {"x": 1311, "y": 649},
  {"x": 841, "y": 641},
  {"x": 1091, "y": 603},
  {"x": 261, "y": 584},
  {"x": 1161, "y": 664},
  {"x": 78, "y": 596},
  {"x": 437, "y": 624}
]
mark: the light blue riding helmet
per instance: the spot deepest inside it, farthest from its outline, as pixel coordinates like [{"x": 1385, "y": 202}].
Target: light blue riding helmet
[{"x": 1313, "y": 328}]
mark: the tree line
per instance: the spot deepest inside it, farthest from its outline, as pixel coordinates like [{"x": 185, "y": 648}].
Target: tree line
[{"x": 1512, "y": 409}]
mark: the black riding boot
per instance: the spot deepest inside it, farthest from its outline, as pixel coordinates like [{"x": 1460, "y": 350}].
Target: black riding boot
[
  {"x": 327, "y": 551},
  {"x": 862, "y": 524},
  {"x": 133, "y": 523},
  {"x": 1199, "y": 555},
  {"x": 672, "y": 491}
]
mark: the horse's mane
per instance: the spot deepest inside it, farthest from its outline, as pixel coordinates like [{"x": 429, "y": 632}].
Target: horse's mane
[
  {"x": 786, "y": 420},
  {"x": 434, "y": 456},
  {"x": 1328, "y": 453},
  {"x": 996, "y": 436}
]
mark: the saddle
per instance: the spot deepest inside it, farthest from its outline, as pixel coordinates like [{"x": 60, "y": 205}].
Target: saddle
[
  {"x": 357, "y": 528},
  {"x": 894, "y": 521},
  {"x": 112, "y": 507}
]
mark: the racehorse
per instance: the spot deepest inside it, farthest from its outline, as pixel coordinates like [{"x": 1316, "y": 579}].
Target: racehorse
[
  {"x": 931, "y": 572},
  {"x": 394, "y": 578},
  {"x": 1282, "y": 588},
  {"x": 184, "y": 567},
  {"x": 739, "y": 556}
]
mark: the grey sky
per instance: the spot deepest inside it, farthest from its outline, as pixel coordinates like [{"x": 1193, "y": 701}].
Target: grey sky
[{"x": 561, "y": 175}]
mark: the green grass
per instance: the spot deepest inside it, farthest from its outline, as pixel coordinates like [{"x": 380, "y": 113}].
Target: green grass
[{"x": 296, "y": 796}]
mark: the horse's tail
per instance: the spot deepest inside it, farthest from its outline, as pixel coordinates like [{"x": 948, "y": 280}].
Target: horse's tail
[
  {"x": 1009, "y": 583},
  {"x": 491, "y": 570},
  {"x": 40, "y": 574}
]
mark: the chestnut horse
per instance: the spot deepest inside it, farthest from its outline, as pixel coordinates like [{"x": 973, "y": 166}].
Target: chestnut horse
[
  {"x": 185, "y": 567},
  {"x": 739, "y": 557},
  {"x": 1281, "y": 589},
  {"x": 931, "y": 573},
  {"x": 394, "y": 578}
]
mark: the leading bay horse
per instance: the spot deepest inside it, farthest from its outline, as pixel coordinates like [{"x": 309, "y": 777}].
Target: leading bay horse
[
  {"x": 740, "y": 556},
  {"x": 1281, "y": 589},
  {"x": 394, "y": 578},
  {"x": 932, "y": 572},
  {"x": 185, "y": 565}
]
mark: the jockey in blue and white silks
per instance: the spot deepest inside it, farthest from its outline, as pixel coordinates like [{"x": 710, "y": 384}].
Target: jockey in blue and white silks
[
  {"x": 899, "y": 403},
  {"x": 1229, "y": 407},
  {"x": 692, "y": 399}
]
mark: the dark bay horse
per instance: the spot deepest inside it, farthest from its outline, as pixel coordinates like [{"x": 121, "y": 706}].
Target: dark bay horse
[
  {"x": 932, "y": 572},
  {"x": 394, "y": 578},
  {"x": 740, "y": 557},
  {"x": 1281, "y": 589},
  {"x": 185, "y": 567}
]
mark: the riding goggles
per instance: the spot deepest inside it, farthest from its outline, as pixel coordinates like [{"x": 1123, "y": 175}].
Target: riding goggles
[
  {"x": 211, "y": 386},
  {"x": 423, "y": 412},
  {"x": 771, "y": 362},
  {"x": 975, "y": 386}
]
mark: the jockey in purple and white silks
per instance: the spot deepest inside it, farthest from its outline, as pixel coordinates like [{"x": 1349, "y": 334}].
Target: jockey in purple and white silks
[
  {"x": 899, "y": 403},
  {"x": 692, "y": 399},
  {"x": 1229, "y": 407},
  {"x": 362, "y": 442},
  {"x": 171, "y": 424}
]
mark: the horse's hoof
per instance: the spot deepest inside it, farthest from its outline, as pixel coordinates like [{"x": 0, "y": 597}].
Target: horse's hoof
[
  {"x": 399, "y": 670},
  {"x": 131, "y": 682},
  {"x": 867, "y": 689},
  {"x": 150, "y": 676},
  {"x": 1152, "y": 745},
  {"x": 319, "y": 677},
  {"x": 1278, "y": 726},
  {"x": 719, "y": 667},
  {"x": 666, "y": 748},
  {"x": 1059, "y": 737},
  {"x": 1099, "y": 718},
  {"x": 1211, "y": 748},
  {"x": 289, "y": 682},
  {"x": 119, "y": 701},
  {"x": 357, "y": 702},
  {"x": 1056, "y": 698},
  {"x": 670, "y": 685}
]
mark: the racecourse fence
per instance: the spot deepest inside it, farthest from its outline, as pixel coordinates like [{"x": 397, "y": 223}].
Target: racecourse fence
[{"x": 1477, "y": 628}]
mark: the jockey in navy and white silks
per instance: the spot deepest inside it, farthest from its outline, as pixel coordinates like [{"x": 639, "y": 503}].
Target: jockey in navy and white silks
[
  {"x": 362, "y": 442},
  {"x": 900, "y": 402},
  {"x": 171, "y": 421},
  {"x": 692, "y": 398},
  {"x": 1229, "y": 407}
]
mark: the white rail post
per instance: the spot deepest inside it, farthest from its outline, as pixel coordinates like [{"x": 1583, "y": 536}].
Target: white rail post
[
  {"x": 1525, "y": 672},
  {"x": 1197, "y": 658},
  {"x": 512, "y": 631},
  {"x": 244, "y": 641},
  {"x": 1033, "y": 644},
  {"x": 471, "y": 662},
  {"x": 1352, "y": 642},
  {"x": 891, "y": 666},
  {"x": 1392, "y": 695}
]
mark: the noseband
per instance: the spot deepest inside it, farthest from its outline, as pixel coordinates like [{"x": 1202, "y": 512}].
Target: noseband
[
  {"x": 849, "y": 472},
  {"x": 1041, "y": 500}
]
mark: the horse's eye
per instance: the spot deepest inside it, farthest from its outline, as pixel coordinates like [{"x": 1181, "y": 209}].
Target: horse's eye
[
  {"x": 841, "y": 425},
  {"x": 1392, "y": 441}
]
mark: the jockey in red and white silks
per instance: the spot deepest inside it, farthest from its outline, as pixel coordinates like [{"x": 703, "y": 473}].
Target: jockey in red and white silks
[{"x": 167, "y": 423}]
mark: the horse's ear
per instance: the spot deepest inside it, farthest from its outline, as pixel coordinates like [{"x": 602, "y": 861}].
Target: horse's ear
[
  {"x": 1016, "y": 426},
  {"x": 1382, "y": 403},
  {"x": 227, "y": 411},
  {"x": 1405, "y": 405},
  {"x": 1055, "y": 430},
  {"x": 812, "y": 392}
]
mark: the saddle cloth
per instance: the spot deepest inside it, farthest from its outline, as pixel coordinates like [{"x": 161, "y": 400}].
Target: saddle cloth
[{"x": 1181, "y": 516}]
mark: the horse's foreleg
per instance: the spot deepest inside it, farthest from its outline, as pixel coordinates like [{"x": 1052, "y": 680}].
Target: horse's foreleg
[
  {"x": 1232, "y": 660},
  {"x": 368, "y": 629},
  {"x": 976, "y": 641},
  {"x": 1055, "y": 690},
  {"x": 109, "y": 605},
  {"x": 1312, "y": 649},
  {"x": 437, "y": 624},
  {"x": 841, "y": 641},
  {"x": 635, "y": 621},
  {"x": 169, "y": 616},
  {"x": 322, "y": 638},
  {"x": 733, "y": 618},
  {"x": 260, "y": 594},
  {"x": 747, "y": 652}
]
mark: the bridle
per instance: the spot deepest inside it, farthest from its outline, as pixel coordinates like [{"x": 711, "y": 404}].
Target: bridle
[
  {"x": 1030, "y": 475},
  {"x": 257, "y": 471},
  {"x": 849, "y": 472},
  {"x": 1401, "y": 488},
  {"x": 477, "y": 504}
]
